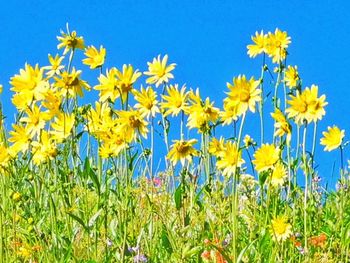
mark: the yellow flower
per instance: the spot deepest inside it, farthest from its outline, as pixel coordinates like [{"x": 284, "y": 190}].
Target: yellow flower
[
  {"x": 126, "y": 79},
  {"x": 70, "y": 41},
  {"x": 181, "y": 151},
  {"x": 113, "y": 146},
  {"x": 29, "y": 83},
  {"x": 279, "y": 175},
  {"x": 159, "y": 71},
  {"x": 243, "y": 94},
  {"x": 70, "y": 83},
  {"x": 20, "y": 137},
  {"x": 35, "y": 120},
  {"x": 62, "y": 126},
  {"x": 201, "y": 113},
  {"x": 146, "y": 102},
  {"x": 131, "y": 122},
  {"x": 291, "y": 76},
  {"x": 282, "y": 126},
  {"x": 307, "y": 106},
  {"x": 52, "y": 103},
  {"x": 277, "y": 45},
  {"x": 95, "y": 58},
  {"x": 259, "y": 45},
  {"x": 216, "y": 146},
  {"x": 248, "y": 141},
  {"x": 175, "y": 101},
  {"x": 265, "y": 157},
  {"x": 229, "y": 114},
  {"x": 280, "y": 229},
  {"x": 44, "y": 149},
  {"x": 332, "y": 138},
  {"x": 108, "y": 86},
  {"x": 229, "y": 159},
  {"x": 55, "y": 66},
  {"x": 16, "y": 196},
  {"x": 4, "y": 157}
]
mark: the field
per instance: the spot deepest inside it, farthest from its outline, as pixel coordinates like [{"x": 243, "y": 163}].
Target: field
[{"x": 140, "y": 169}]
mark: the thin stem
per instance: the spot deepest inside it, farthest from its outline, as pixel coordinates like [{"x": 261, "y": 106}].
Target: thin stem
[{"x": 306, "y": 187}]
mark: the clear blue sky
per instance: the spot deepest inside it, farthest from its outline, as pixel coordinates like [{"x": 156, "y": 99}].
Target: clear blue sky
[{"x": 207, "y": 40}]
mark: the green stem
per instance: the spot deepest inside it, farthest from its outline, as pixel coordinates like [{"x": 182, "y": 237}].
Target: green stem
[{"x": 305, "y": 188}]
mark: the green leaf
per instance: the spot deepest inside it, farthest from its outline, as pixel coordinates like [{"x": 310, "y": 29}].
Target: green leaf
[
  {"x": 79, "y": 220},
  {"x": 178, "y": 196}
]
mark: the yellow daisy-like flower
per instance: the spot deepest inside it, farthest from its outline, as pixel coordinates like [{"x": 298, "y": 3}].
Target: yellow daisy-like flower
[
  {"x": 71, "y": 84},
  {"x": 259, "y": 46},
  {"x": 229, "y": 159},
  {"x": 113, "y": 146},
  {"x": 131, "y": 122},
  {"x": 279, "y": 175},
  {"x": 265, "y": 157},
  {"x": 126, "y": 79},
  {"x": 282, "y": 126},
  {"x": 159, "y": 71},
  {"x": 108, "y": 86},
  {"x": 248, "y": 141},
  {"x": 307, "y": 106},
  {"x": 21, "y": 138},
  {"x": 175, "y": 101},
  {"x": 35, "y": 120},
  {"x": 182, "y": 150},
  {"x": 277, "y": 44},
  {"x": 147, "y": 102},
  {"x": 62, "y": 126},
  {"x": 95, "y": 58},
  {"x": 291, "y": 76},
  {"x": 332, "y": 138},
  {"x": 44, "y": 149},
  {"x": 201, "y": 113},
  {"x": 55, "y": 66},
  {"x": 216, "y": 146},
  {"x": 243, "y": 94},
  {"x": 280, "y": 229},
  {"x": 229, "y": 114},
  {"x": 70, "y": 41}
]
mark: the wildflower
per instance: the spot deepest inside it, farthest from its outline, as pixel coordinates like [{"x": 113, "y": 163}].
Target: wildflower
[
  {"x": 35, "y": 120},
  {"x": 16, "y": 196},
  {"x": 243, "y": 94},
  {"x": 282, "y": 126},
  {"x": 307, "y": 106},
  {"x": 71, "y": 84},
  {"x": 113, "y": 146},
  {"x": 265, "y": 157},
  {"x": 182, "y": 150},
  {"x": 248, "y": 141},
  {"x": 131, "y": 122},
  {"x": 291, "y": 76},
  {"x": 146, "y": 102},
  {"x": 277, "y": 44},
  {"x": 229, "y": 114},
  {"x": 20, "y": 137},
  {"x": 230, "y": 159},
  {"x": 55, "y": 66},
  {"x": 175, "y": 101},
  {"x": 201, "y": 113},
  {"x": 108, "y": 86},
  {"x": 259, "y": 46},
  {"x": 159, "y": 71},
  {"x": 44, "y": 149},
  {"x": 140, "y": 258},
  {"x": 318, "y": 241},
  {"x": 52, "y": 102},
  {"x": 95, "y": 58},
  {"x": 216, "y": 146},
  {"x": 62, "y": 126},
  {"x": 126, "y": 79},
  {"x": 70, "y": 41},
  {"x": 332, "y": 138},
  {"x": 280, "y": 229},
  {"x": 29, "y": 83},
  {"x": 279, "y": 175}
]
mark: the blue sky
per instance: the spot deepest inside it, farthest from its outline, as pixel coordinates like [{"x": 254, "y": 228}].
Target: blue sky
[{"x": 207, "y": 40}]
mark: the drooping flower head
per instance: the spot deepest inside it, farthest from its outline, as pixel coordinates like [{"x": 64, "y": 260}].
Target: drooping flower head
[
  {"x": 332, "y": 138},
  {"x": 159, "y": 71},
  {"x": 282, "y": 126},
  {"x": 291, "y": 76}
]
